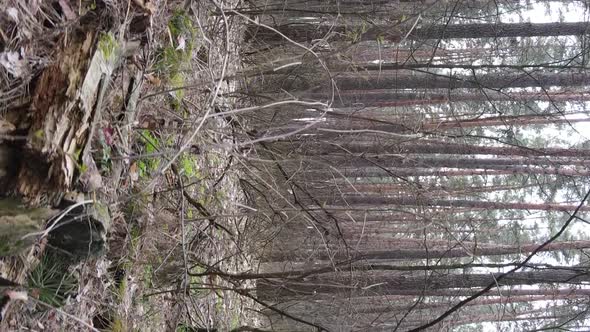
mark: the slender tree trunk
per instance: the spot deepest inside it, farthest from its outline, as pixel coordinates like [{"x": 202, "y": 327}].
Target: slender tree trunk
[
  {"x": 374, "y": 172},
  {"x": 435, "y": 162},
  {"x": 396, "y": 284},
  {"x": 392, "y": 98},
  {"x": 307, "y": 32},
  {"x": 403, "y": 79},
  {"x": 397, "y": 253},
  {"x": 386, "y": 146},
  {"x": 426, "y": 202}
]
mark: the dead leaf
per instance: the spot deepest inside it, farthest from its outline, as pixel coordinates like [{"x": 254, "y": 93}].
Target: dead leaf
[
  {"x": 154, "y": 80},
  {"x": 90, "y": 178},
  {"x": 6, "y": 127},
  {"x": 140, "y": 3},
  {"x": 13, "y": 14},
  {"x": 147, "y": 6},
  {"x": 150, "y": 8},
  {"x": 133, "y": 174},
  {"x": 13, "y": 63},
  {"x": 181, "y": 43},
  {"x": 68, "y": 12}
]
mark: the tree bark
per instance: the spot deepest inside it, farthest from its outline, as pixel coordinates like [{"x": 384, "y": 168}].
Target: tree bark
[
  {"x": 431, "y": 253},
  {"x": 392, "y": 98},
  {"x": 386, "y": 146},
  {"x": 307, "y": 32},
  {"x": 396, "y": 284},
  {"x": 450, "y": 203},
  {"x": 403, "y": 79}
]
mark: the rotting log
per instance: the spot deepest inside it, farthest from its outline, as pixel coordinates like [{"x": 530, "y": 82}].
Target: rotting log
[
  {"x": 45, "y": 152},
  {"x": 66, "y": 105}
]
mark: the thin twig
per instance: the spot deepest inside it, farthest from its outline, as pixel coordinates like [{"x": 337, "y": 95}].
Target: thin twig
[
  {"x": 92, "y": 328},
  {"x": 45, "y": 232},
  {"x": 191, "y": 138}
]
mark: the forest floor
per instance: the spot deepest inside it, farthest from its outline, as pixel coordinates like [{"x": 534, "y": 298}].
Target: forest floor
[{"x": 137, "y": 285}]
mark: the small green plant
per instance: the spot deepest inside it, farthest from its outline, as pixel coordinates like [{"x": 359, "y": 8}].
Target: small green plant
[
  {"x": 187, "y": 164},
  {"x": 220, "y": 195},
  {"x": 135, "y": 236},
  {"x": 355, "y": 34},
  {"x": 172, "y": 59},
  {"x": 122, "y": 289},
  {"x": 151, "y": 145},
  {"x": 184, "y": 328},
  {"x": 105, "y": 160},
  {"x": 235, "y": 320},
  {"x": 148, "y": 273},
  {"x": 52, "y": 281}
]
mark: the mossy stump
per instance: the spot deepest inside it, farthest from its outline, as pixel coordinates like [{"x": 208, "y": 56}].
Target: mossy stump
[
  {"x": 79, "y": 234},
  {"x": 18, "y": 225}
]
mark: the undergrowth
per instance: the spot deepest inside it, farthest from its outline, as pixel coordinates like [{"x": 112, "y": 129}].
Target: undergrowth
[{"x": 51, "y": 281}]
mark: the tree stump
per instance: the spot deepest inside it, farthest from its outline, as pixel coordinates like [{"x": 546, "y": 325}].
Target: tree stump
[
  {"x": 54, "y": 134},
  {"x": 81, "y": 233},
  {"x": 17, "y": 224}
]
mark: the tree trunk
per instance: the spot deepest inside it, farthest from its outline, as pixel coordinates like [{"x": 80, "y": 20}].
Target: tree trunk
[
  {"x": 403, "y": 79},
  {"x": 392, "y": 98},
  {"x": 412, "y": 254},
  {"x": 374, "y": 172},
  {"x": 386, "y": 146},
  {"x": 426, "y": 202},
  {"x": 436, "y": 162},
  {"x": 303, "y": 32},
  {"x": 396, "y": 284}
]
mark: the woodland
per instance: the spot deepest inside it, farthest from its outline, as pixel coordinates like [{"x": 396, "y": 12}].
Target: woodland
[{"x": 295, "y": 165}]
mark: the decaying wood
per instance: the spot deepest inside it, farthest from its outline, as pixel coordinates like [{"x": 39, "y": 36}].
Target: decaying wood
[
  {"x": 16, "y": 222},
  {"x": 81, "y": 233},
  {"x": 129, "y": 111},
  {"x": 66, "y": 105}
]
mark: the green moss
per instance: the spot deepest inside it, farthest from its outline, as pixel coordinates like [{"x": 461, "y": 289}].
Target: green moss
[
  {"x": 151, "y": 145},
  {"x": 118, "y": 325},
  {"x": 16, "y": 221},
  {"x": 135, "y": 234},
  {"x": 107, "y": 44},
  {"x": 187, "y": 163},
  {"x": 148, "y": 272},
  {"x": 150, "y": 141},
  {"x": 184, "y": 328},
  {"x": 122, "y": 289},
  {"x": 218, "y": 302},
  {"x": 181, "y": 25},
  {"x": 177, "y": 82},
  {"x": 169, "y": 61},
  {"x": 5, "y": 247},
  {"x": 220, "y": 195},
  {"x": 235, "y": 320}
]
